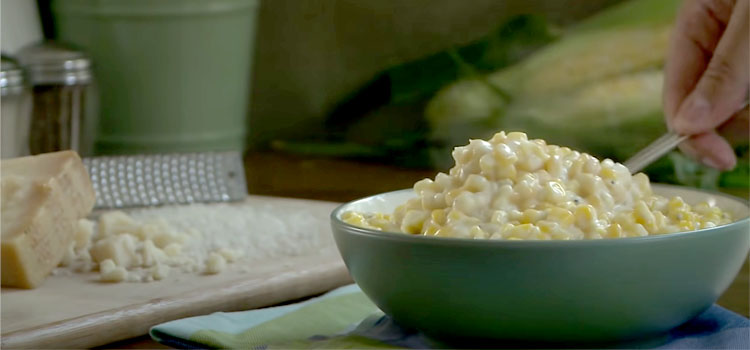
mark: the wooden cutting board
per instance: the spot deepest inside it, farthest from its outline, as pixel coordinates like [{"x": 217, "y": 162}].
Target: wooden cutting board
[{"x": 76, "y": 311}]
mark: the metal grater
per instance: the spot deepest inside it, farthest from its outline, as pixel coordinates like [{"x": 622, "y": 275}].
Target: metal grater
[{"x": 159, "y": 179}]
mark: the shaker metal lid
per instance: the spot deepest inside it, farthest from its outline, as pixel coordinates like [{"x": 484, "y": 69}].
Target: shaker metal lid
[
  {"x": 52, "y": 63},
  {"x": 11, "y": 77}
]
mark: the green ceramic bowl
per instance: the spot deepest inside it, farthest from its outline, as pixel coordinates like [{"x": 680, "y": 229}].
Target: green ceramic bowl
[{"x": 591, "y": 290}]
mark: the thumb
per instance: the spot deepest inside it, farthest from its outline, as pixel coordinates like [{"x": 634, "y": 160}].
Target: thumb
[{"x": 723, "y": 86}]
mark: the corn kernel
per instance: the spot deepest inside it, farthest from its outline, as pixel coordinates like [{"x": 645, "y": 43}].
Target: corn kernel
[
  {"x": 508, "y": 172},
  {"x": 488, "y": 164},
  {"x": 476, "y": 183},
  {"x": 614, "y": 231},
  {"x": 547, "y": 227},
  {"x": 517, "y": 136},
  {"x": 555, "y": 192},
  {"x": 585, "y": 216},
  {"x": 379, "y": 221},
  {"x": 522, "y": 231},
  {"x": 562, "y": 236},
  {"x": 499, "y": 217},
  {"x": 531, "y": 216},
  {"x": 455, "y": 215},
  {"x": 438, "y": 216},
  {"x": 424, "y": 185},
  {"x": 639, "y": 230},
  {"x": 477, "y": 232},
  {"x": 675, "y": 204},
  {"x": 554, "y": 166},
  {"x": 413, "y": 221},
  {"x": 534, "y": 157},
  {"x": 608, "y": 174},
  {"x": 443, "y": 181},
  {"x": 563, "y": 216},
  {"x": 451, "y": 196},
  {"x": 686, "y": 225},
  {"x": 642, "y": 183},
  {"x": 591, "y": 165},
  {"x": 575, "y": 167},
  {"x": 499, "y": 138},
  {"x": 644, "y": 216},
  {"x": 431, "y": 230},
  {"x": 504, "y": 155},
  {"x": 467, "y": 203},
  {"x": 707, "y": 224}
]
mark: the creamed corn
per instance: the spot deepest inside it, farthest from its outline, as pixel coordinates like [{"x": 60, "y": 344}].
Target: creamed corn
[{"x": 514, "y": 188}]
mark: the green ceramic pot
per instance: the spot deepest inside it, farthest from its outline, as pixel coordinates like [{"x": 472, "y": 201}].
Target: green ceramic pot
[
  {"x": 173, "y": 75},
  {"x": 555, "y": 291}
]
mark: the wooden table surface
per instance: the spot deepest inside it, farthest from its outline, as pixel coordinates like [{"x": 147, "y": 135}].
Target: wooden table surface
[{"x": 344, "y": 180}]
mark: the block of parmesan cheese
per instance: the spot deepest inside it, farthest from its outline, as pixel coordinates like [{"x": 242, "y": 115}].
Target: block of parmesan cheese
[{"x": 43, "y": 197}]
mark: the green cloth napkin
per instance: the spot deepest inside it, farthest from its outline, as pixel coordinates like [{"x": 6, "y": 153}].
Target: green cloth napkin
[
  {"x": 288, "y": 326},
  {"x": 346, "y": 319}
]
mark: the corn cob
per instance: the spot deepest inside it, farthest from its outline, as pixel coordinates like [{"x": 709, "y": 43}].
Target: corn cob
[
  {"x": 584, "y": 59},
  {"x": 604, "y": 76},
  {"x": 628, "y": 106},
  {"x": 626, "y": 39}
]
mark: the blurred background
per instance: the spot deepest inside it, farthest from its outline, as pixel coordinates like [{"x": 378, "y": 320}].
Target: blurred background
[{"x": 385, "y": 85}]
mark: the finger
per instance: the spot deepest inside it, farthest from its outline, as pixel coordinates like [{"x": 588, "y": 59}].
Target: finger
[
  {"x": 723, "y": 87},
  {"x": 737, "y": 130},
  {"x": 710, "y": 149},
  {"x": 698, "y": 27}
]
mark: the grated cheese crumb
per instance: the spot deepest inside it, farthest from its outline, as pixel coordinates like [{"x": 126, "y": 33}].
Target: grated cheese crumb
[{"x": 151, "y": 244}]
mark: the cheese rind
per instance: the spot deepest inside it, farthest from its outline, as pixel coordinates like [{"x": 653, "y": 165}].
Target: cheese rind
[{"x": 43, "y": 197}]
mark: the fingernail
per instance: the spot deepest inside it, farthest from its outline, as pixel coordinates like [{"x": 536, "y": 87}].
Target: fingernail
[
  {"x": 728, "y": 160},
  {"x": 695, "y": 109},
  {"x": 720, "y": 161},
  {"x": 710, "y": 162}
]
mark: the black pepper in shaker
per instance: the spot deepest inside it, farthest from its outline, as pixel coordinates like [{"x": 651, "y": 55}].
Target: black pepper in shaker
[{"x": 59, "y": 77}]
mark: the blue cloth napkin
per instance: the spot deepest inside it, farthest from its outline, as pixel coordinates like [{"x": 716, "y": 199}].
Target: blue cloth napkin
[{"x": 346, "y": 319}]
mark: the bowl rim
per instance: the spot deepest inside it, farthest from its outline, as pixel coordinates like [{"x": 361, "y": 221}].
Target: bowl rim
[{"x": 452, "y": 241}]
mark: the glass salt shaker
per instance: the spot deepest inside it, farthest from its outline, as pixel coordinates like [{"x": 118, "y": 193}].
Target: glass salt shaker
[
  {"x": 60, "y": 80},
  {"x": 15, "y": 118}
]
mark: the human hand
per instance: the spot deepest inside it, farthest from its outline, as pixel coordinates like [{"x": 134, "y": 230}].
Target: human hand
[{"x": 707, "y": 79}]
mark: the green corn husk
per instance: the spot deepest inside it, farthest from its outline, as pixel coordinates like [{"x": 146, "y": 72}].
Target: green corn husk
[
  {"x": 612, "y": 118},
  {"x": 584, "y": 55}
]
